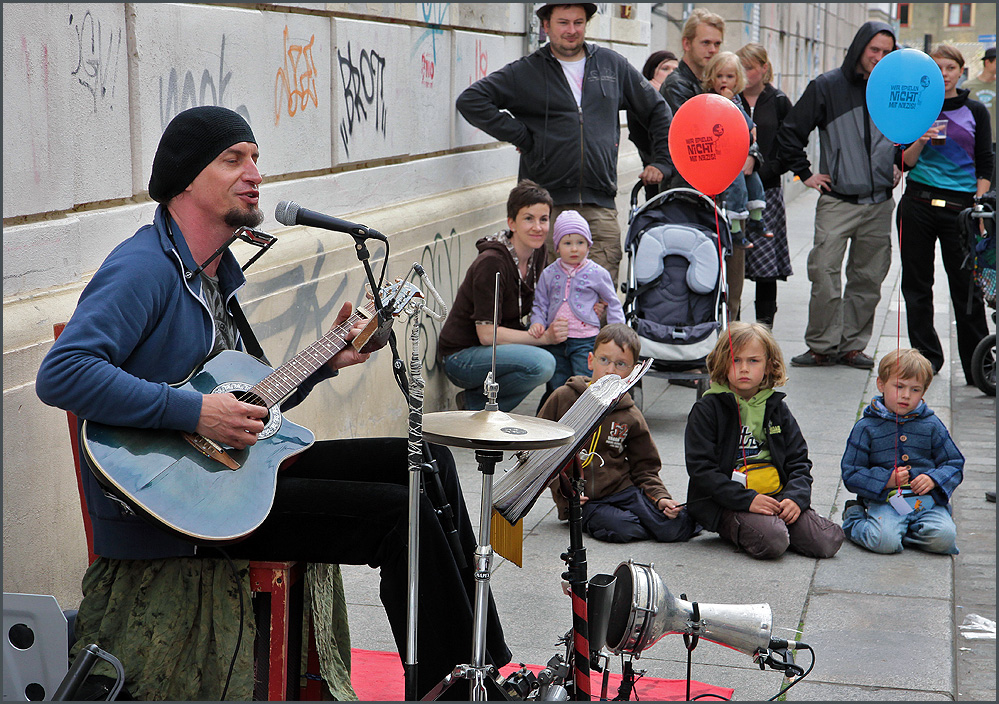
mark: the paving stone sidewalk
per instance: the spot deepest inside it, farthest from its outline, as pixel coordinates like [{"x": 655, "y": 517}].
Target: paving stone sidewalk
[{"x": 883, "y": 627}]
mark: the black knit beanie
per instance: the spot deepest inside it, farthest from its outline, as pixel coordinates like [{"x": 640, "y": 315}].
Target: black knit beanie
[{"x": 191, "y": 142}]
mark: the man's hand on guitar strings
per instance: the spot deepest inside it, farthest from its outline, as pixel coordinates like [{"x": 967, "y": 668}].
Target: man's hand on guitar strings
[
  {"x": 229, "y": 421},
  {"x": 348, "y": 355}
]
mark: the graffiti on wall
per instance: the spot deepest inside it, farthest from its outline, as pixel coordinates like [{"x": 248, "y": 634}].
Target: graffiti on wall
[
  {"x": 480, "y": 65},
  {"x": 295, "y": 83},
  {"x": 363, "y": 85},
  {"x": 98, "y": 47},
  {"x": 441, "y": 259},
  {"x": 176, "y": 98},
  {"x": 433, "y": 13}
]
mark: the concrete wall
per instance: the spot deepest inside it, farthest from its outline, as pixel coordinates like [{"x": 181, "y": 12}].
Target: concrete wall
[{"x": 353, "y": 108}]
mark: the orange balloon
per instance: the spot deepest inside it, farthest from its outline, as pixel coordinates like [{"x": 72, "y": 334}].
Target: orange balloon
[{"x": 709, "y": 142}]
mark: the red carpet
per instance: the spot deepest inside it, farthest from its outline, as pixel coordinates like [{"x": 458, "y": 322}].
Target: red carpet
[{"x": 377, "y": 676}]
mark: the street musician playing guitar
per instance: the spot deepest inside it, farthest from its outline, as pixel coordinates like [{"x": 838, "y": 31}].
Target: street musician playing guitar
[{"x": 159, "y": 308}]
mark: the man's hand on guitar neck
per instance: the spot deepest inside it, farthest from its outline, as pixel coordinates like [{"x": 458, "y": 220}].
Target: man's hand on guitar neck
[
  {"x": 348, "y": 355},
  {"x": 230, "y": 422}
]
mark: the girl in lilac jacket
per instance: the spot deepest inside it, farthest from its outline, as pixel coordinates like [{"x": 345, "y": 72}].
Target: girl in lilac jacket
[{"x": 578, "y": 290}]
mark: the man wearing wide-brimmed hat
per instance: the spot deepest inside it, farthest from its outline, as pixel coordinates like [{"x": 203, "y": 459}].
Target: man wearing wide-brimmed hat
[{"x": 560, "y": 107}]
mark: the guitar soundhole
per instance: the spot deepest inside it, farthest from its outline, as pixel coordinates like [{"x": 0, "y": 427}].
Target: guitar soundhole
[
  {"x": 241, "y": 390},
  {"x": 247, "y": 397}
]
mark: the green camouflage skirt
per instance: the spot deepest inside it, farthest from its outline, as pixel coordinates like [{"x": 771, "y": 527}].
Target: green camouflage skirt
[{"x": 174, "y": 624}]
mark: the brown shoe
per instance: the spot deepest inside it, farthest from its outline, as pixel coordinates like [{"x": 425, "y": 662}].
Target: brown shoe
[
  {"x": 857, "y": 359},
  {"x": 812, "y": 359}
]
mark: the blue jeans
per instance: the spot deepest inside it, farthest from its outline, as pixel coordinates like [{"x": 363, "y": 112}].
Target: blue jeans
[
  {"x": 519, "y": 368},
  {"x": 745, "y": 194},
  {"x": 881, "y": 529},
  {"x": 571, "y": 359}
]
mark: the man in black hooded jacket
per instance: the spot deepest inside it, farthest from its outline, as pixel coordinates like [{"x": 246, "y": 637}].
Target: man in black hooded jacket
[
  {"x": 560, "y": 107},
  {"x": 855, "y": 178}
]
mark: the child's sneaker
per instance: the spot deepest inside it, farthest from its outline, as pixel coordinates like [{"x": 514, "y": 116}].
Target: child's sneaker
[
  {"x": 755, "y": 228},
  {"x": 857, "y": 506},
  {"x": 741, "y": 241}
]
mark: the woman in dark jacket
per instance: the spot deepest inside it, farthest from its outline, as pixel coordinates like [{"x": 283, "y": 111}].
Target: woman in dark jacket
[
  {"x": 465, "y": 343},
  {"x": 769, "y": 259},
  {"x": 658, "y": 66},
  {"x": 941, "y": 181}
]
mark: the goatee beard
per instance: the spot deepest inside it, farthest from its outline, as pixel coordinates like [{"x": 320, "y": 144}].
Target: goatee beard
[{"x": 241, "y": 217}]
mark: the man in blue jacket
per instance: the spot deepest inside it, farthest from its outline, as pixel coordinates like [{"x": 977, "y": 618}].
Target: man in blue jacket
[
  {"x": 560, "y": 107},
  {"x": 855, "y": 178},
  {"x": 155, "y": 310}
]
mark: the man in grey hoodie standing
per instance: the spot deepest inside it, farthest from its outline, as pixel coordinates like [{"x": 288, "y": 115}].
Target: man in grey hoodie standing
[
  {"x": 855, "y": 178},
  {"x": 560, "y": 107}
]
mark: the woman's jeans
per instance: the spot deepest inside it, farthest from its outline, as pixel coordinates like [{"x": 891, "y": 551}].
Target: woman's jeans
[{"x": 519, "y": 369}]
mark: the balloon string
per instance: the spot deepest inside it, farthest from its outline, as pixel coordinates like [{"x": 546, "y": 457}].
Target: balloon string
[
  {"x": 728, "y": 328},
  {"x": 898, "y": 330}
]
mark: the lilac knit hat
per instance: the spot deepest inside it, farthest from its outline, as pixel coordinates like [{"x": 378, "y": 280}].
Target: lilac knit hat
[{"x": 570, "y": 222}]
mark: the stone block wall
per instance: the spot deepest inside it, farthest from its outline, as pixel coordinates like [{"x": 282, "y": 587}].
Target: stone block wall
[{"x": 352, "y": 105}]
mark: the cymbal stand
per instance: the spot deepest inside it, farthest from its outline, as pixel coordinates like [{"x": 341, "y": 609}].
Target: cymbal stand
[{"x": 487, "y": 460}]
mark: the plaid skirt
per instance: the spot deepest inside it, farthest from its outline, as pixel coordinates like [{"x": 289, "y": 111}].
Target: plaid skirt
[{"x": 769, "y": 258}]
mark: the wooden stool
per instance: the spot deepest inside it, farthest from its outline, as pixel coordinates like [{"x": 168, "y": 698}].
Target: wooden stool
[{"x": 278, "y": 589}]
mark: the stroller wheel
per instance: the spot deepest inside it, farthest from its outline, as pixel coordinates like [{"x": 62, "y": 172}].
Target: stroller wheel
[
  {"x": 702, "y": 386},
  {"x": 983, "y": 365}
]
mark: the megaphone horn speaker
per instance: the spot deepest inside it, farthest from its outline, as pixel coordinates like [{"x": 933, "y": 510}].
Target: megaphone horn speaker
[{"x": 643, "y": 611}]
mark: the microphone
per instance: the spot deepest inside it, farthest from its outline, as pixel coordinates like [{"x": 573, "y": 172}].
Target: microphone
[
  {"x": 781, "y": 644},
  {"x": 288, "y": 212}
]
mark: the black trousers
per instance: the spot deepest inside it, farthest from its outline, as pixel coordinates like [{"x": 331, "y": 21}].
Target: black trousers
[
  {"x": 347, "y": 502},
  {"x": 921, "y": 225}
]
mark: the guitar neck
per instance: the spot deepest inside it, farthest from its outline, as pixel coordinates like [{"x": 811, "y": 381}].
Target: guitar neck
[{"x": 282, "y": 381}]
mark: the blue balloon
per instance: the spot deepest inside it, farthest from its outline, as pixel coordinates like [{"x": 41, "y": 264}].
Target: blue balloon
[{"x": 904, "y": 95}]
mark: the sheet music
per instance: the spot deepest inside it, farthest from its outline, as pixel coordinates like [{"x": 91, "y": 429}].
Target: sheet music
[{"x": 520, "y": 486}]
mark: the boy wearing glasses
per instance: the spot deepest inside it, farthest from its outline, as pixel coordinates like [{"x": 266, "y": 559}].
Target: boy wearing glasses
[{"x": 624, "y": 499}]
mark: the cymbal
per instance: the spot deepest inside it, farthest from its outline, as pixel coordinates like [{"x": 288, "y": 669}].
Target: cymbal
[{"x": 486, "y": 430}]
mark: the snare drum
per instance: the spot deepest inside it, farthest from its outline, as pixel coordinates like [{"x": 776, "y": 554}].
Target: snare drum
[{"x": 639, "y": 597}]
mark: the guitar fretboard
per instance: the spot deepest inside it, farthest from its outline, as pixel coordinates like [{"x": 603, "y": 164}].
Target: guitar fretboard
[{"x": 273, "y": 388}]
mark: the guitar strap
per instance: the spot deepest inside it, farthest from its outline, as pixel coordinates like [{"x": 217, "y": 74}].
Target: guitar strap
[{"x": 250, "y": 343}]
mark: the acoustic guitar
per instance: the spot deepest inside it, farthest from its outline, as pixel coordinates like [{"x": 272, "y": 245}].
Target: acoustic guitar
[{"x": 206, "y": 492}]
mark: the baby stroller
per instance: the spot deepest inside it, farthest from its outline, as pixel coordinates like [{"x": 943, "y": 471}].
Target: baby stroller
[
  {"x": 675, "y": 294},
  {"x": 980, "y": 258}
]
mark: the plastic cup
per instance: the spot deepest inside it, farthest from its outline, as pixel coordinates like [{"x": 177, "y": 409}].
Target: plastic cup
[{"x": 941, "y": 137}]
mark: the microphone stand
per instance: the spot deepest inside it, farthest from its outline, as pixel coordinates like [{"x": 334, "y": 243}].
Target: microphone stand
[
  {"x": 420, "y": 463},
  {"x": 361, "y": 249}
]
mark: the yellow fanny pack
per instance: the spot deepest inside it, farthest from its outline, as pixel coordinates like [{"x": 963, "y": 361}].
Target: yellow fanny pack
[{"x": 761, "y": 477}]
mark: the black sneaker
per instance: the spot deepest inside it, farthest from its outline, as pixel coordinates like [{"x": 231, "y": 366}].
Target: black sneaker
[{"x": 812, "y": 359}]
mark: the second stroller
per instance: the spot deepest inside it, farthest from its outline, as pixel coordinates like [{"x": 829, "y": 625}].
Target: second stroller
[{"x": 675, "y": 295}]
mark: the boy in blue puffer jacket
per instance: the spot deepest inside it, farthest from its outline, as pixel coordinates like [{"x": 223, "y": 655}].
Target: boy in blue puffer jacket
[{"x": 899, "y": 442}]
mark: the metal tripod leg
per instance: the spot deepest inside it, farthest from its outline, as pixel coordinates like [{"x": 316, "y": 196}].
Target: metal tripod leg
[
  {"x": 477, "y": 672},
  {"x": 487, "y": 460}
]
